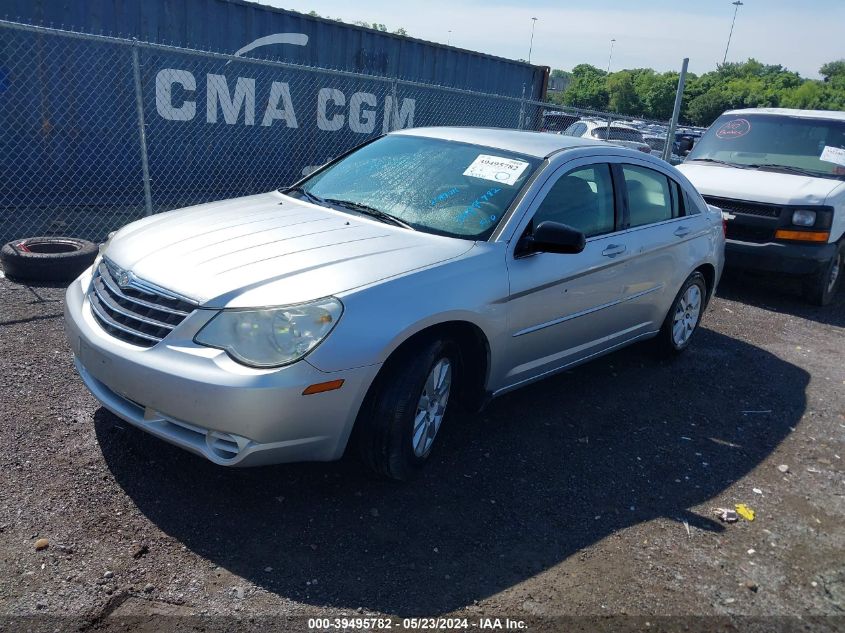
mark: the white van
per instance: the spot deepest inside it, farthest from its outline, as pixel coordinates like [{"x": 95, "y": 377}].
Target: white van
[{"x": 779, "y": 177}]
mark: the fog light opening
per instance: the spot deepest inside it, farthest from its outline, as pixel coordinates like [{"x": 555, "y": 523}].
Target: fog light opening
[{"x": 222, "y": 445}]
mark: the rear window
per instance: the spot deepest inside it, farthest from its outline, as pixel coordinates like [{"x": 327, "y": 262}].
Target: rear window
[
  {"x": 618, "y": 134},
  {"x": 557, "y": 121},
  {"x": 576, "y": 129}
]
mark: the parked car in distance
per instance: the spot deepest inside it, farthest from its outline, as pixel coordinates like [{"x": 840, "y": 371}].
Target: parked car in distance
[
  {"x": 685, "y": 140},
  {"x": 428, "y": 266},
  {"x": 620, "y": 134},
  {"x": 657, "y": 145},
  {"x": 779, "y": 175},
  {"x": 556, "y": 122}
]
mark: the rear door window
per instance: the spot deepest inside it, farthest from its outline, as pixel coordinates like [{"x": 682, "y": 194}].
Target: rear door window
[{"x": 650, "y": 198}]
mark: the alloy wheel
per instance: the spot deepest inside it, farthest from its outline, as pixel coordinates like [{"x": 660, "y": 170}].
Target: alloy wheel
[
  {"x": 431, "y": 407},
  {"x": 686, "y": 316}
]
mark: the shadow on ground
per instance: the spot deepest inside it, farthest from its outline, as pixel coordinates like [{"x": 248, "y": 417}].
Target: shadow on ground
[
  {"x": 510, "y": 493},
  {"x": 780, "y": 294}
]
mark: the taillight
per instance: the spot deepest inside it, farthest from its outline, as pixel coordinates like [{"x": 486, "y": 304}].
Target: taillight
[{"x": 724, "y": 226}]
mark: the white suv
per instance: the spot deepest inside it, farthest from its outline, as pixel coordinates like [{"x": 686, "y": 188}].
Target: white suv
[{"x": 779, "y": 177}]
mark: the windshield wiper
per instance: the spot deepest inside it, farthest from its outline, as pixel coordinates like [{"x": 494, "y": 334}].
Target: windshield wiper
[
  {"x": 718, "y": 162},
  {"x": 786, "y": 168},
  {"x": 306, "y": 194},
  {"x": 371, "y": 211}
]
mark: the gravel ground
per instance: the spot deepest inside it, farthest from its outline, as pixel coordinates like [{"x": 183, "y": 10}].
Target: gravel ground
[{"x": 589, "y": 494}]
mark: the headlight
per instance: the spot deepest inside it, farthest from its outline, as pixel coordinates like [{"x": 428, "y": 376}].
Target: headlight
[
  {"x": 271, "y": 337},
  {"x": 803, "y": 217}
]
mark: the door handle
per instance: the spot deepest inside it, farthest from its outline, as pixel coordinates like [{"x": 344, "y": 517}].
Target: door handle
[
  {"x": 682, "y": 231},
  {"x": 613, "y": 250}
]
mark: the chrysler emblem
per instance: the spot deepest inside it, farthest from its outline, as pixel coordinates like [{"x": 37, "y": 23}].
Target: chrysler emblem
[{"x": 124, "y": 278}]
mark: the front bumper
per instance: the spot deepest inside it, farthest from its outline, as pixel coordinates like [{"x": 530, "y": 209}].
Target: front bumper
[
  {"x": 775, "y": 257},
  {"x": 199, "y": 399}
]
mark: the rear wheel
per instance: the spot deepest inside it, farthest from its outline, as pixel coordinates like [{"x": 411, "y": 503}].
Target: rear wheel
[
  {"x": 821, "y": 287},
  {"x": 684, "y": 316},
  {"x": 403, "y": 415}
]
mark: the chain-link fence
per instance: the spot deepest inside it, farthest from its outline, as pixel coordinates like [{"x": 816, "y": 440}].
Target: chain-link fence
[{"x": 99, "y": 131}]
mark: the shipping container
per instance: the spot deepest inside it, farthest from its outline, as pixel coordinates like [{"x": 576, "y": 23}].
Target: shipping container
[
  {"x": 215, "y": 126},
  {"x": 229, "y": 26}
]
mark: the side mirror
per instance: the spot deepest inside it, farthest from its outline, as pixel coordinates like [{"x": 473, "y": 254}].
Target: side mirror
[{"x": 554, "y": 237}]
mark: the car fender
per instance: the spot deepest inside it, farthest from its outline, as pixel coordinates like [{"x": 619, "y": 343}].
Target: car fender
[{"x": 377, "y": 319}]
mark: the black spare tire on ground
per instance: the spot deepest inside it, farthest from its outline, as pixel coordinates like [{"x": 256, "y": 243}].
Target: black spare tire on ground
[{"x": 47, "y": 258}]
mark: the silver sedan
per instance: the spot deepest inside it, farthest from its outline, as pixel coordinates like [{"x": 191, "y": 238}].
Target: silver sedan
[{"x": 428, "y": 267}]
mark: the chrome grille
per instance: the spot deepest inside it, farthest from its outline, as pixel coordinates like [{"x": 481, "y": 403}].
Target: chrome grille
[{"x": 135, "y": 313}]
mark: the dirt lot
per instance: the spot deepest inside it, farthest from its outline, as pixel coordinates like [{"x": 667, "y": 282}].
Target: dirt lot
[{"x": 590, "y": 494}]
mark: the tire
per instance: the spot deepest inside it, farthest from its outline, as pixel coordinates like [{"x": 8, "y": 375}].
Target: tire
[
  {"x": 386, "y": 423},
  {"x": 668, "y": 342},
  {"x": 821, "y": 287},
  {"x": 47, "y": 258}
]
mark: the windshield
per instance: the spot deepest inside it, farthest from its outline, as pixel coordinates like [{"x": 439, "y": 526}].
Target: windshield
[
  {"x": 618, "y": 134},
  {"x": 433, "y": 185},
  {"x": 766, "y": 141}
]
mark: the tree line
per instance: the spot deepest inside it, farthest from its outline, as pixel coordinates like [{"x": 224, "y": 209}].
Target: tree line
[{"x": 643, "y": 92}]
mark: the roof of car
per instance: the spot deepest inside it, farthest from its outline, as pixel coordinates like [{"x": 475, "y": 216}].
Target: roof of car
[
  {"x": 613, "y": 125},
  {"x": 805, "y": 114},
  {"x": 538, "y": 144}
]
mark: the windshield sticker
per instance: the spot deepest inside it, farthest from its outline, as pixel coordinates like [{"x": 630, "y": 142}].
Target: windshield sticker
[
  {"x": 734, "y": 129},
  {"x": 443, "y": 196},
  {"x": 504, "y": 170},
  {"x": 476, "y": 207},
  {"x": 835, "y": 155}
]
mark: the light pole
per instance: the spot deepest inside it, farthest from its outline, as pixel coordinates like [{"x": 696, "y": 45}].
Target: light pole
[
  {"x": 449, "y": 39},
  {"x": 737, "y": 5},
  {"x": 531, "y": 47},
  {"x": 612, "y": 42}
]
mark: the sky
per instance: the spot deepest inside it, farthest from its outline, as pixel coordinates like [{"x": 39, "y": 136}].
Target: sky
[{"x": 799, "y": 34}]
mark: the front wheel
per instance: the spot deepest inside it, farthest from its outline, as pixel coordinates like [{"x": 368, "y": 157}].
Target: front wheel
[
  {"x": 821, "y": 287},
  {"x": 684, "y": 316},
  {"x": 409, "y": 403}
]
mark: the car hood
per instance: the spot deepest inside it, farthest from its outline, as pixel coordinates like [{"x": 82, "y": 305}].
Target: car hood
[
  {"x": 270, "y": 249},
  {"x": 758, "y": 186}
]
